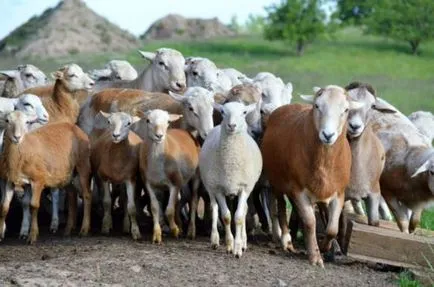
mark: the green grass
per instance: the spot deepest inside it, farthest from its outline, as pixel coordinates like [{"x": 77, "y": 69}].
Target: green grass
[
  {"x": 405, "y": 280},
  {"x": 405, "y": 80}
]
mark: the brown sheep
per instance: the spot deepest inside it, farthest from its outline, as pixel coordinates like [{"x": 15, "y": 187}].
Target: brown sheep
[{"x": 307, "y": 157}]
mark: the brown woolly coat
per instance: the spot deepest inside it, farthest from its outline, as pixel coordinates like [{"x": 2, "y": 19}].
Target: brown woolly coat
[{"x": 295, "y": 159}]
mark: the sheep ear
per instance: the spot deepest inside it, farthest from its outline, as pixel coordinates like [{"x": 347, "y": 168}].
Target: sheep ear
[
  {"x": 174, "y": 117},
  {"x": 101, "y": 120},
  {"x": 147, "y": 55},
  {"x": 135, "y": 119},
  {"x": 422, "y": 169},
  {"x": 8, "y": 74},
  {"x": 219, "y": 98},
  {"x": 316, "y": 89},
  {"x": 356, "y": 105},
  {"x": 114, "y": 106},
  {"x": 57, "y": 75},
  {"x": 289, "y": 87},
  {"x": 382, "y": 107},
  {"x": 141, "y": 114},
  {"x": 218, "y": 107},
  {"x": 308, "y": 98},
  {"x": 177, "y": 97}
]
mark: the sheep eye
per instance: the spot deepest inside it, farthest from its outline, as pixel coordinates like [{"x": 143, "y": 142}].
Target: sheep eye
[
  {"x": 72, "y": 75},
  {"x": 161, "y": 63},
  {"x": 195, "y": 73},
  {"x": 245, "y": 113},
  {"x": 191, "y": 109},
  {"x": 128, "y": 124},
  {"x": 316, "y": 106},
  {"x": 7, "y": 120},
  {"x": 431, "y": 172},
  {"x": 148, "y": 121},
  {"x": 29, "y": 75},
  {"x": 346, "y": 110},
  {"x": 262, "y": 112},
  {"x": 263, "y": 95},
  {"x": 27, "y": 122},
  {"x": 28, "y": 105}
]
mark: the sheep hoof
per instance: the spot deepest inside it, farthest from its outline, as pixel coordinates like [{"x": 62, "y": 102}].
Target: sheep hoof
[
  {"x": 156, "y": 237},
  {"x": 191, "y": 233},
  {"x": 316, "y": 260},
  {"x": 175, "y": 231},
  {"x": 214, "y": 246},
  {"x": 83, "y": 233},
  {"x": 32, "y": 239},
  {"x": 23, "y": 237},
  {"x": 135, "y": 233},
  {"x": 238, "y": 255}
]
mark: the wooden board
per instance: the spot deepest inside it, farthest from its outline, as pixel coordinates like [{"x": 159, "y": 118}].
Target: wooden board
[
  {"x": 389, "y": 246},
  {"x": 387, "y": 224}
]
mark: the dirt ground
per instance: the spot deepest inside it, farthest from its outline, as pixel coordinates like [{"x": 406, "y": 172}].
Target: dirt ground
[{"x": 118, "y": 261}]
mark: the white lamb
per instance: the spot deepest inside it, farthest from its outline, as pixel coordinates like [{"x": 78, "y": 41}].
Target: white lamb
[
  {"x": 202, "y": 72},
  {"x": 230, "y": 164}
]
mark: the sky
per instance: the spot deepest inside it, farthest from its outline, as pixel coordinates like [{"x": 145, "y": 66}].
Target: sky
[{"x": 135, "y": 15}]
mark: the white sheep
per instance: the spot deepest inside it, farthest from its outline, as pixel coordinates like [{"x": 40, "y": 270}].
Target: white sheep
[
  {"x": 424, "y": 121},
  {"x": 230, "y": 165},
  {"x": 24, "y": 77},
  {"x": 204, "y": 73},
  {"x": 165, "y": 72},
  {"x": 273, "y": 89},
  {"x": 236, "y": 77},
  {"x": 115, "y": 70}
]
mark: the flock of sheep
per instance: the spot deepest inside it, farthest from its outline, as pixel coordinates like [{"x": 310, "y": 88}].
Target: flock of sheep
[{"x": 184, "y": 129}]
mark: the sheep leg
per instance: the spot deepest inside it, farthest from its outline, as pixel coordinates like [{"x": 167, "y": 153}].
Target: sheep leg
[
  {"x": 215, "y": 238},
  {"x": 384, "y": 210},
  {"x": 400, "y": 213},
  {"x": 124, "y": 198},
  {"x": 306, "y": 212},
  {"x": 34, "y": 205},
  {"x": 25, "y": 223},
  {"x": 84, "y": 174},
  {"x": 260, "y": 206},
  {"x": 107, "y": 223},
  {"x": 277, "y": 232},
  {"x": 171, "y": 209},
  {"x": 415, "y": 219},
  {"x": 286, "y": 239},
  {"x": 240, "y": 225},
  {"x": 155, "y": 209},
  {"x": 71, "y": 222},
  {"x": 131, "y": 188},
  {"x": 191, "y": 232},
  {"x": 265, "y": 198},
  {"x": 358, "y": 207},
  {"x": 227, "y": 218},
  {"x": 54, "y": 210},
  {"x": 372, "y": 207},
  {"x": 9, "y": 193},
  {"x": 334, "y": 212}
]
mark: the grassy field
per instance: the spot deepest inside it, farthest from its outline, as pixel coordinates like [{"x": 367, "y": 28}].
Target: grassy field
[{"x": 405, "y": 80}]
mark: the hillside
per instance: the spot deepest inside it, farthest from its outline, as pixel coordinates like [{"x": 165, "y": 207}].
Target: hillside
[
  {"x": 174, "y": 26},
  {"x": 69, "y": 28}
]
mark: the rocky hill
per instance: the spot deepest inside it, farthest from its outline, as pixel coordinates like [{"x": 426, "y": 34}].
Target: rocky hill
[
  {"x": 69, "y": 28},
  {"x": 174, "y": 26}
]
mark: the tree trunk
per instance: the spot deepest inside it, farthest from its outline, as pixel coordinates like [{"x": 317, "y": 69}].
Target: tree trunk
[
  {"x": 414, "y": 46},
  {"x": 300, "y": 48}
]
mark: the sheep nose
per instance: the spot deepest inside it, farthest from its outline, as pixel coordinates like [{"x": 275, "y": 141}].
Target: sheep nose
[
  {"x": 92, "y": 83},
  {"x": 16, "y": 138},
  {"x": 180, "y": 85},
  {"x": 328, "y": 136},
  {"x": 232, "y": 126},
  {"x": 159, "y": 136},
  {"x": 116, "y": 135},
  {"x": 354, "y": 126}
]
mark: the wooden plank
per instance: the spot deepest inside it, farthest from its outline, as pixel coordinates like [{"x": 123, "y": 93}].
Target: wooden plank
[
  {"x": 383, "y": 245},
  {"x": 387, "y": 224}
]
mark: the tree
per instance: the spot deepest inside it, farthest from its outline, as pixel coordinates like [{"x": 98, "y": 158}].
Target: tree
[
  {"x": 298, "y": 22},
  {"x": 406, "y": 20},
  {"x": 233, "y": 25},
  {"x": 353, "y": 12},
  {"x": 254, "y": 24}
]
